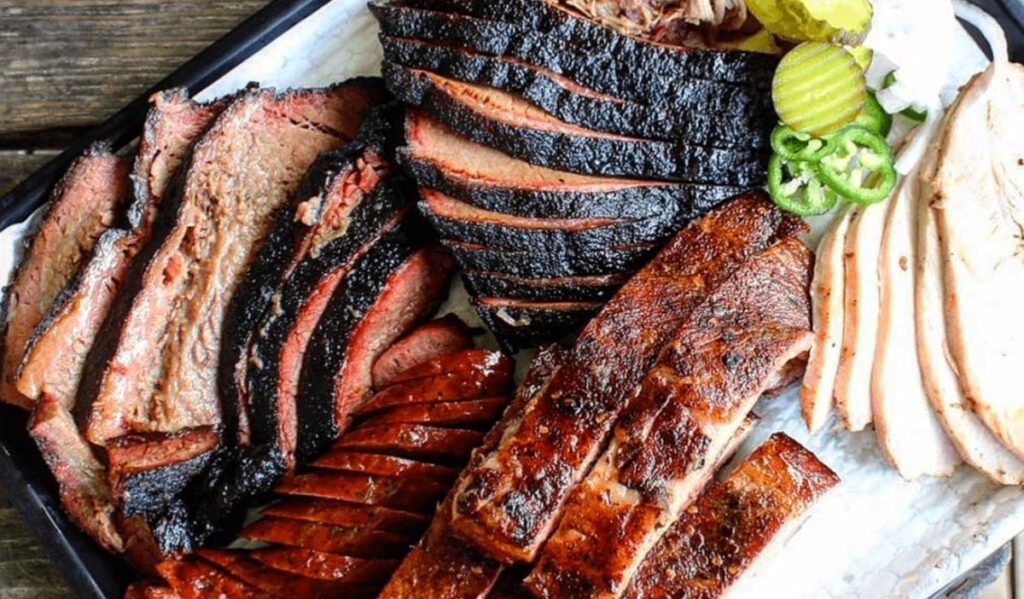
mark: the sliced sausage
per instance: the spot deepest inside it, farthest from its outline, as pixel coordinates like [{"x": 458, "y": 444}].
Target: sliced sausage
[{"x": 429, "y": 341}]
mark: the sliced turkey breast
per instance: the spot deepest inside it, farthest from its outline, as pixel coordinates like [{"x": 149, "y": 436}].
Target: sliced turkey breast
[
  {"x": 909, "y": 433},
  {"x": 827, "y": 301},
  {"x": 860, "y": 315},
  {"x": 978, "y": 446},
  {"x": 977, "y": 191}
]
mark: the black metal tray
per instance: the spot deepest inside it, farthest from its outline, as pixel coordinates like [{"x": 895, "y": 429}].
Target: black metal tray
[{"x": 91, "y": 572}]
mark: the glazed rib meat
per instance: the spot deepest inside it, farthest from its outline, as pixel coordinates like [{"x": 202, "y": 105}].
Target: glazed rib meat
[
  {"x": 245, "y": 167},
  {"x": 501, "y": 506},
  {"x": 689, "y": 406},
  {"x": 509, "y": 123},
  {"x": 85, "y": 203},
  {"x": 716, "y": 542}
]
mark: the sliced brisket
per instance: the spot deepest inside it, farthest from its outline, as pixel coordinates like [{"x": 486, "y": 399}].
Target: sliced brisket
[
  {"x": 529, "y": 263},
  {"x": 577, "y": 105},
  {"x": 767, "y": 496},
  {"x": 500, "y": 509},
  {"x": 596, "y": 57},
  {"x": 460, "y": 221},
  {"x": 519, "y": 324},
  {"x": 357, "y": 206},
  {"x": 54, "y": 360},
  {"x": 688, "y": 410},
  {"x": 484, "y": 177},
  {"x": 397, "y": 283},
  {"x": 244, "y": 168},
  {"x": 509, "y": 123},
  {"x": 84, "y": 491},
  {"x": 559, "y": 289},
  {"x": 85, "y": 203},
  {"x": 424, "y": 343}
]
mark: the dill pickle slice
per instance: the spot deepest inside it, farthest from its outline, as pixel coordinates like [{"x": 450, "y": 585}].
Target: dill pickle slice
[
  {"x": 818, "y": 88},
  {"x": 843, "y": 21}
]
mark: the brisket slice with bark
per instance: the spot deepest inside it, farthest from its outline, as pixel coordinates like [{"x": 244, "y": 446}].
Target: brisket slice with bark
[
  {"x": 329, "y": 200},
  {"x": 458, "y": 220},
  {"x": 531, "y": 264},
  {"x": 593, "y": 56},
  {"x": 520, "y": 324},
  {"x": 500, "y": 510},
  {"x": 690, "y": 405},
  {"x": 486, "y": 178},
  {"x": 575, "y": 104},
  {"x": 82, "y": 479},
  {"x": 55, "y": 357},
  {"x": 441, "y": 566},
  {"x": 759, "y": 503},
  {"x": 509, "y": 123},
  {"x": 357, "y": 207},
  {"x": 428, "y": 341},
  {"x": 84, "y": 203},
  {"x": 239, "y": 174},
  {"x": 559, "y": 289},
  {"x": 397, "y": 283}
]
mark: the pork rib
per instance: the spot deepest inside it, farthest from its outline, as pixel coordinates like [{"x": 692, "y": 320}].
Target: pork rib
[
  {"x": 689, "y": 407},
  {"x": 766, "y": 497},
  {"x": 500, "y": 506}
]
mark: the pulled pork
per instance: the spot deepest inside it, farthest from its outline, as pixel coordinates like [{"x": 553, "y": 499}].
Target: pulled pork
[{"x": 668, "y": 21}]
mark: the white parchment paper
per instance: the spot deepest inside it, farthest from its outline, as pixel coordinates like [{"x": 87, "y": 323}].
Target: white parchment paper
[{"x": 876, "y": 537}]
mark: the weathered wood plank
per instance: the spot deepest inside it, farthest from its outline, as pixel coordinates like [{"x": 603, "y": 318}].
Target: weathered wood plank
[
  {"x": 15, "y": 165},
  {"x": 74, "y": 62}
]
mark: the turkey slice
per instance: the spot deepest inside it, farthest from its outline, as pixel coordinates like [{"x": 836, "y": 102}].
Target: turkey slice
[
  {"x": 860, "y": 315},
  {"x": 827, "y": 299},
  {"x": 909, "y": 433},
  {"x": 977, "y": 190}
]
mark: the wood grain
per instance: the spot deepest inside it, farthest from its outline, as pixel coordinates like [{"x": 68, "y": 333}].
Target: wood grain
[
  {"x": 74, "y": 62},
  {"x": 15, "y": 165}
]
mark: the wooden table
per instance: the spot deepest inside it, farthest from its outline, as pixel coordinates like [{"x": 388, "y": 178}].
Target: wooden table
[{"x": 64, "y": 66}]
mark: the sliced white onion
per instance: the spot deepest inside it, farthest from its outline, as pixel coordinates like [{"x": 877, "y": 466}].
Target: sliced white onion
[
  {"x": 988, "y": 26},
  {"x": 918, "y": 142}
]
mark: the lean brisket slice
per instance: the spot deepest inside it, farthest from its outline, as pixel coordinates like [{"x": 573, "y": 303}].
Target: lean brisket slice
[
  {"x": 325, "y": 225},
  {"x": 500, "y": 508},
  {"x": 509, "y": 123},
  {"x": 237, "y": 178},
  {"x": 570, "y": 102},
  {"x": 548, "y": 36},
  {"x": 84, "y": 203},
  {"x": 688, "y": 409},
  {"x": 490, "y": 180},
  {"x": 398, "y": 282},
  {"x": 358, "y": 206},
  {"x": 715, "y": 544},
  {"x": 54, "y": 359}
]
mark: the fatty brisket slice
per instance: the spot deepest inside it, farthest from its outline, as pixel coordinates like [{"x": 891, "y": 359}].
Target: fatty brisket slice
[
  {"x": 519, "y": 324},
  {"x": 438, "y": 158},
  {"x": 54, "y": 359},
  {"x": 85, "y": 202},
  {"x": 273, "y": 362},
  {"x": 758, "y": 505},
  {"x": 499, "y": 509},
  {"x": 461, "y": 221},
  {"x": 509, "y": 123},
  {"x": 594, "y": 56},
  {"x": 573, "y": 103},
  {"x": 310, "y": 239},
  {"x": 155, "y": 369},
  {"x": 399, "y": 282}
]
